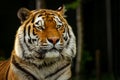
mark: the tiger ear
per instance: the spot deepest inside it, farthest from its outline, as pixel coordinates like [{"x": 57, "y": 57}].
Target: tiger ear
[
  {"x": 23, "y": 14},
  {"x": 62, "y": 10}
]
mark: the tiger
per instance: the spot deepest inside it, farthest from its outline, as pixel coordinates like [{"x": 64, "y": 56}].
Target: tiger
[{"x": 44, "y": 47}]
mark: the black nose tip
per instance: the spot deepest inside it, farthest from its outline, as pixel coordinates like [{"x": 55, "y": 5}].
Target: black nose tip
[{"x": 53, "y": 40}]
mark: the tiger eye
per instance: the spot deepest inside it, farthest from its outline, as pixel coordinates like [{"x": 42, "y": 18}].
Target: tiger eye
[
  {"x": 59, "y": 26},
  {"x": 40, "y": 28}
]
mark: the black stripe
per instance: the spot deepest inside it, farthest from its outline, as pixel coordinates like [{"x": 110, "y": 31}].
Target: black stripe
[
  {"x": 33, "y": 31},
  {"x": 72, "y": 50},
  {"x": 69, "y": 33},
  {"x": 24, "y": 34},
  {"x": 61, "y": 75},
  {"x": 29, "y": 30},
  {"x": 32, "y": 21},
  {"x": 40, "y": 15},
  {"x": 68, "y": 43},
  {"x": 29, "y": 40},
  {"x": 58, "y": 20},
  {"x": 52, "y": 74},
  {"x": 22, "y": 69},
  {"x": 65, "y": 38}
]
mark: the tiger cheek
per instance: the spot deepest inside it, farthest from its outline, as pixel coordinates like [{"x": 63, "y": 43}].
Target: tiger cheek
[{"x": 39, "y": 35}]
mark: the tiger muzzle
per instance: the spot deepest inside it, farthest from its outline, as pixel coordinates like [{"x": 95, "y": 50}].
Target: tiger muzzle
[{"x": 53, "y": 40}]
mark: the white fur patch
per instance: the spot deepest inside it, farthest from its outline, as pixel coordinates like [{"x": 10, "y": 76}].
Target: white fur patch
[
  {"x": 52, "y": 54},
  {"x": 40, "y": 20}
]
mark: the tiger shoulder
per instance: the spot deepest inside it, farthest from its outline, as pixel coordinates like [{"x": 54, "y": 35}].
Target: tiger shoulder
[{"x": 43, "y": 49}]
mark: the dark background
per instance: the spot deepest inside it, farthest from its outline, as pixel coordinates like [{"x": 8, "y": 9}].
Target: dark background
[{"x": 94, "y": 21}]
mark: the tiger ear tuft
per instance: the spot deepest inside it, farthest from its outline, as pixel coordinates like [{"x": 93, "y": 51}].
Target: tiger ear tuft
[
  {"x": 23, "y": 14},
  {"x": 62, "y": 10}
]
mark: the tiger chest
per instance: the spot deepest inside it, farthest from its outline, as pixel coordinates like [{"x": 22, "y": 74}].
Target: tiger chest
[{"x": 52, "y": 72}]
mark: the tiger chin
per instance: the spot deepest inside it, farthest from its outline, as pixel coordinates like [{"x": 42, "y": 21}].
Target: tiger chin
[{"x": 43, "y": 49}]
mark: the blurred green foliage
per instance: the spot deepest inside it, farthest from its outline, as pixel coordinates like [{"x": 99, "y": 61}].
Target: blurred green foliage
[
  {"x": 2, "y": 58},
  {"x": 86, "y": 57},
  {"x": 106, "y": 76},
  {"x": 73, "y": 5}
]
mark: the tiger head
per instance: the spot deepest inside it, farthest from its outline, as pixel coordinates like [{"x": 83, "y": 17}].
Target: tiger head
[{"x": 44, "y": 34}]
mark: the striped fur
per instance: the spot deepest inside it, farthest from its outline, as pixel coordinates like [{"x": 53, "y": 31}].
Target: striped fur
[{"x": 44, "y": 47}]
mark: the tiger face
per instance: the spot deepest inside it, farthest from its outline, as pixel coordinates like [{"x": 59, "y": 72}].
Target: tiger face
[{"x": 44, "y": 34}]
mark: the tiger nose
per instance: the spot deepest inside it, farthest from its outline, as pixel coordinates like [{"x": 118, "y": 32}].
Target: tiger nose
[{"x": 53, "y": 40}]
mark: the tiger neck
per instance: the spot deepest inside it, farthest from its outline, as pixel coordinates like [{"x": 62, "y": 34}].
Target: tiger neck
[
  {"x": 39, "y": 72},
  {"x": 47, "y": 62}
]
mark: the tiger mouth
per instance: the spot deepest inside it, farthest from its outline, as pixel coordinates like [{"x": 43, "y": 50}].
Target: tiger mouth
[
  {"x": 42, "y": 52},
  {"x": 55, "y": 49}
]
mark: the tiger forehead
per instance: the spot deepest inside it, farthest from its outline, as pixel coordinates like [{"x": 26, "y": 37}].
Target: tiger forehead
[
  {"x": 47, "y": 15},
  {"x": 45, "y": 12}
]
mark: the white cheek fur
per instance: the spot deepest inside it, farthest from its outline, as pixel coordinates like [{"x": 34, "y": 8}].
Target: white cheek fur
[{"x": 18, "y": 48}]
